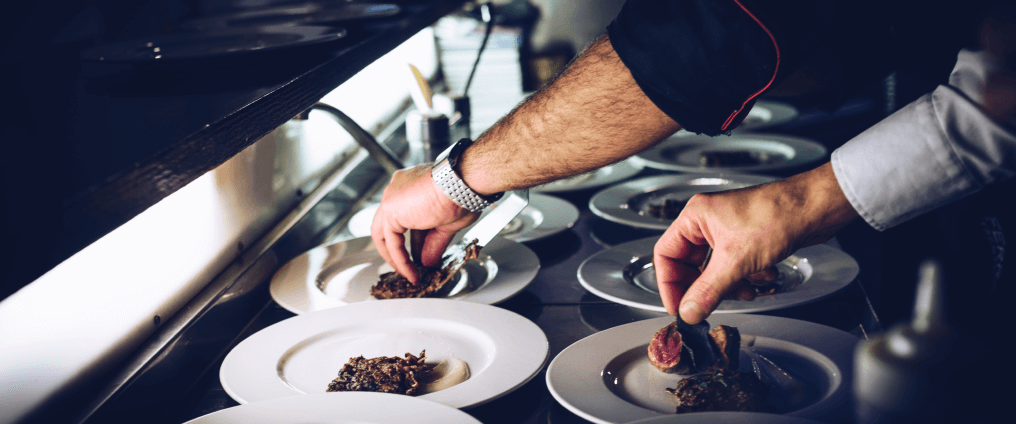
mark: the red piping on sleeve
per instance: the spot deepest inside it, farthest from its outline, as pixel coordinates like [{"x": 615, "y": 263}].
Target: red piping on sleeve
[{"x": 757, "y": 93}]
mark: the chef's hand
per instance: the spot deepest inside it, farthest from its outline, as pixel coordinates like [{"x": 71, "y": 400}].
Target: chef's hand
[
  {"x": 413, "y": 202},
  {"x": 750, "y": 230}
]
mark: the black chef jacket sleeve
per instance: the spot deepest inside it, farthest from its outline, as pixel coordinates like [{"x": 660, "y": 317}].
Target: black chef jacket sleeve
[{"x": 703, "y": 62}]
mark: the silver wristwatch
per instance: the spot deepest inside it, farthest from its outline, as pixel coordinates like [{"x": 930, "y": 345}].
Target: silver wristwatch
[{"x": 446, "y": 175}]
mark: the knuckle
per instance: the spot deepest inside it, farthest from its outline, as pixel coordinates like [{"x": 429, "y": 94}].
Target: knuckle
[{"x": 706, "y": 292}]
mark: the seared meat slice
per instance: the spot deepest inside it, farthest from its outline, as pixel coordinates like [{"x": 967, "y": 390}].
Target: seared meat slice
[
  {"x": 728, "y": 342},
  {"x": 665, "y": 349}
]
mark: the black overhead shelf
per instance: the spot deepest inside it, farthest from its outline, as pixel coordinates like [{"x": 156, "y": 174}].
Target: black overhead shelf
[{"x": 86, "y": 146}]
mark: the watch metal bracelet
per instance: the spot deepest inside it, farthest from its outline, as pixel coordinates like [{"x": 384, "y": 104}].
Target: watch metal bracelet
[{"x": 456, "y": 189}]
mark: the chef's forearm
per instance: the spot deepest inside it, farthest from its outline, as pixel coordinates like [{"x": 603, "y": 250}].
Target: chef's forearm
[{"x": 594, "y": 114}]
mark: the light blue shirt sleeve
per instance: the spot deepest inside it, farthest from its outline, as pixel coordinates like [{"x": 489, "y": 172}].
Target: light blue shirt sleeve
[{"x": 933, "y": 151}]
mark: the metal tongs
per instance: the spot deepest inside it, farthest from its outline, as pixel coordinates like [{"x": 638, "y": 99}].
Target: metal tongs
[
  {"x": 488, "y": 226},
  {"x": 696, "y": 337},
  {"x": 482, "y": 232}
]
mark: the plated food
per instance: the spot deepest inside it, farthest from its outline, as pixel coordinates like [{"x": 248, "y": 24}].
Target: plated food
[
  {"x": 654, "y": 202},
  {"x": 608, "y": 377},
  {"x": 408, "y": 375},
  {"x": 720, "y": 389},
  {"x": 344, "y": 273},
  {"x": 625, "y": 274},
  {"x": 303, "y": 354},
  {"x": 740, "y": 152},
  {"x": 386, "y": 374},
  {"x": 720, "y": 386},
  {"x": 393, "y": 285}
]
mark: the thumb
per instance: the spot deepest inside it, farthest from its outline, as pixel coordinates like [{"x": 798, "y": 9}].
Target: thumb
[{"x": 706, "y": 293}]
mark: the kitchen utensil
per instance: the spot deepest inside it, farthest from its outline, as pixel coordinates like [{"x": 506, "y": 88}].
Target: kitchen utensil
[
  {"x": 787, "y": 389},
  {"x": 490, "y": 225},
  {"x": 420, "y": 91},
  {"x": 695, "y": 338}
]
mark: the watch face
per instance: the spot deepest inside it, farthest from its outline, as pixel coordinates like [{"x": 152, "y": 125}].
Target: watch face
[{"x": 456, "y": 152}]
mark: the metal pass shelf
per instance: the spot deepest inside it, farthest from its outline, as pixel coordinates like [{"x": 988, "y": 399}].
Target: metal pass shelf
[{"x": 87, "y": 145}]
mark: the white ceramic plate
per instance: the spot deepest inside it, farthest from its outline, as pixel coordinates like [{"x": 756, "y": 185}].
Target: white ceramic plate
[
  {"x": 624, "y": 274},
  {"x": 339, "y": 408},
  {"x": 606, "y": 175},
  {"x": 627, "y": 203},
  {"x": 342, "y": 273},
  {"x": 606, "y": 378},
  {"x": 359, "y": 224},
  {"x": 301, "y": 355},
  {"x": 780, "y": 151},
  {"x": 545, "y": 216},
  {"x": 765, "y": 113}
]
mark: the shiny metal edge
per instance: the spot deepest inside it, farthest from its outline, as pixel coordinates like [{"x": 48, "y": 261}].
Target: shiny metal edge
[{"x": 164, "y": 337}]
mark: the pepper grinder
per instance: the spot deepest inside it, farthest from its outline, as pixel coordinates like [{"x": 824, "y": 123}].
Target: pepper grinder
[{"x": 902, "y": 376}]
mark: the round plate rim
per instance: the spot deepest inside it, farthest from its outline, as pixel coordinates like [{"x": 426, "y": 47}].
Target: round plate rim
[
  {"x": 835, "y": 345},
  {"x": 826, "y": 279},
  {"x": 269, "y": 344},
  {"x": 807, "y": 151},
  {"x": 339, "y": 405},
  {"x": 559, "y": 215},
  {"x": 782, "y": 113},
  {"x": 603, "y": 203},
  {"x": 499, "y": 247},
  {"x": 619, "y": 171}
]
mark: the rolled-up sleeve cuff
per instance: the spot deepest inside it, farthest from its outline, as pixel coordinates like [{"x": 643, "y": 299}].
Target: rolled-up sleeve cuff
[{"x": 935, "y": 150}]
